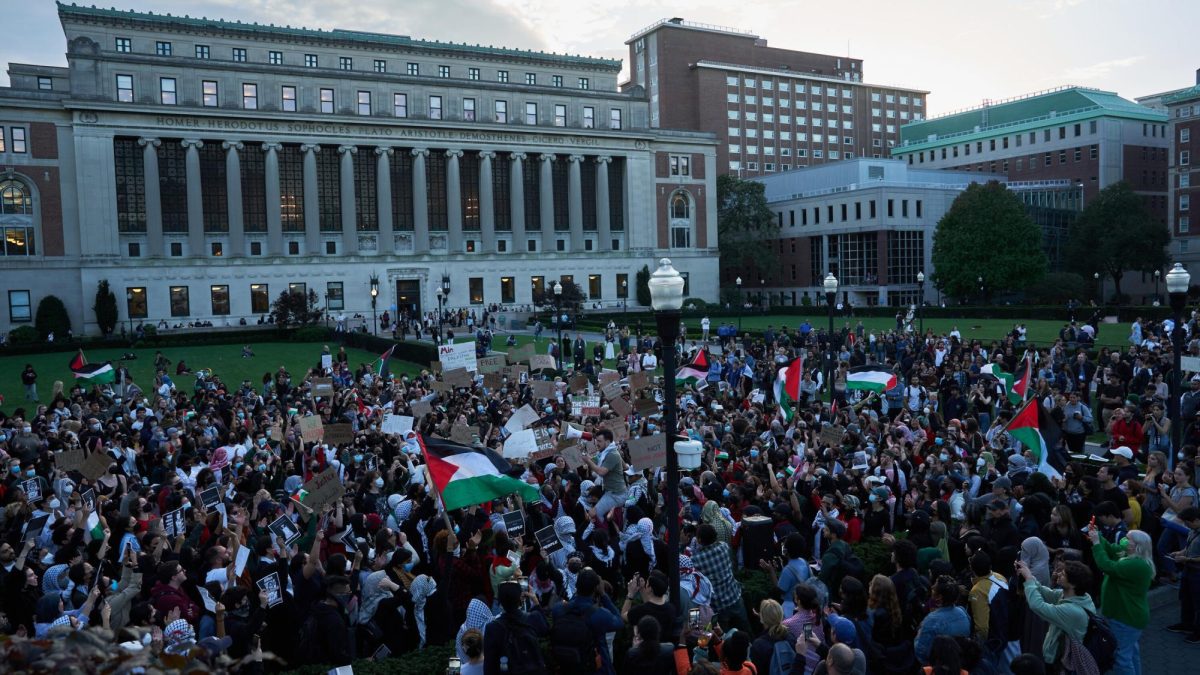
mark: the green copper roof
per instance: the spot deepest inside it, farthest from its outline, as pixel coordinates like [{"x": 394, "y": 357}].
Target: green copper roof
[
  {"x": 362, "y": 37},
  {"x": 1182, "y": 95},
  {"x": 1070, "y": 104}
]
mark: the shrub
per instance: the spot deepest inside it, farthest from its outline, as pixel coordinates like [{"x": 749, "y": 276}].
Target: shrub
[
  {"x": 432, "y": 659},
  {"x": 310, "y": 334},
  {"x": 24, "y": 335},
  {"x": 1057, "y": 288},
  {"x": 52, "y": 317},
  {"x": 105, "y": 308},
  {"x": 695, "y": 305},
  {"x": 149, "y": 330}
]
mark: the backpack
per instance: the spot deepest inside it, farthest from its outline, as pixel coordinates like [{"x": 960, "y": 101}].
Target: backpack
[
  {"x": 521, "y": 648},
  {"x": 574, "y": 645},
  {"x": 782, "y": 656},
  {"x": 999, "y": 608},
  {"x": 853, "y": 566},
  {"x": 1100, "y": 642},
  {"x": 916, "y": 601}
]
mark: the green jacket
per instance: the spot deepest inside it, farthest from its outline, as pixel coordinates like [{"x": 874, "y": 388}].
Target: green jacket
[
  {"x": 1066, "y": 616},
  {"x": 1126, "y": 583}
]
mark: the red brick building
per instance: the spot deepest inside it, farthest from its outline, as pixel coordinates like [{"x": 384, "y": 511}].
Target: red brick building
[
  {"x": 771, "y": 109},
  {"x": 1183, "y": 112}
]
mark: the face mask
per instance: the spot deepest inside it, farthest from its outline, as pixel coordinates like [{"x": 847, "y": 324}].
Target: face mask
[
  {"x": 378, "y": 482},
  {"x": 372, "y": 427},
  {"x": 262, "y": 468},
  {"x": 754, "y": 454},
  {"x": 408, "y": 567},
  {"x": 728, "y": 428},
  {"x": 262, "y": 442},
  {"x": 873, "y": 498},
  {"x": 565, "y": 483},
  {"x": 27, "y": 429},
  {"x": 980, "y": 463},
  {"x": 119, "y": 418},
  {"x": 548, "y": 409},
  {"x": 480, "y": 409},
  {"x": 944, "y": 457},
  {"x": 1180, "y": 455},
  {"x": 241, "y": 416},
  {"x": 237, "y": 466},
  {"x": 3, "y": 437},
  {"x": 31, "y": 473},
  {"x": 725, "y": 494},
  {"x": 651, "y": 427},
  {"x": 358, "y": 458}
]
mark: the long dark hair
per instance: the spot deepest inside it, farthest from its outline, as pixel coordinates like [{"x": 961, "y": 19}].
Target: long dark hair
[{"x": 649, "y": 630}]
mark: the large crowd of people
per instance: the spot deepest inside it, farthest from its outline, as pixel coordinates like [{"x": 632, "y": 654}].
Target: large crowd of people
[{"x": 188, "y": 520}]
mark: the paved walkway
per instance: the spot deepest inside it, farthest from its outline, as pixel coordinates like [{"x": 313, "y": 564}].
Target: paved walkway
[{"x": 1165, "y": 653}]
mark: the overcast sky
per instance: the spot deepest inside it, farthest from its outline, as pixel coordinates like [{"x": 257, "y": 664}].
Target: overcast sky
[{"x": 962, "y": 51}]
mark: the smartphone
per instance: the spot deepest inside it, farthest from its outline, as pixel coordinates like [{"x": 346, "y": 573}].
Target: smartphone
[
  {"x": 808, "y": 631},
  {"x": 694, "y": 616}
]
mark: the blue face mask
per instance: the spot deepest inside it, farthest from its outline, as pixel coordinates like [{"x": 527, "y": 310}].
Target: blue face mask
[
  {"x": 31, "y": 473},
  {"x": 873, "y": 498},
  {"x": 725, "y": 494},
  {"x": 566, "y": 483},
  {"x": 262, "y": 442},
  {"x": 241, "y": 416},
  {"x": 651, "y": 427},
  {"x": 3, "y": 437},
  {"x": 408, "y": 567},
  {"x": 262, "y": 468},
  {"x": 754, "y": 454},
  {"x": 113, "y": 586},
  {"x": 728, "y": 428},
  {"x": 456, "y": 530},
  {"x": 944, "y": 457},
  {"x": 16, "y": 470},
  {"x": 358, "y": 458}
]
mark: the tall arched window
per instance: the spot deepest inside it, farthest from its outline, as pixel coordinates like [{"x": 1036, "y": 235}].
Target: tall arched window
[
  {"x": 16, "y": 218},
  {"x": 680, "y": 213}
]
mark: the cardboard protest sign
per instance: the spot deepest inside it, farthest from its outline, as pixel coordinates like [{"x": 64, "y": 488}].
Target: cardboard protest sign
[
  {"x": 542, "y": 362},
  {"x": 322, "y": 386},
  {"x": 542, "y": 388},
  {"x": 521, "y": 354},
  {"x": 284, "y": 528},
  {"x": 397, "y": 424},
  {"x": 573, "y": 456},
  {"x": 270, "y": 584},
  {"x": 520, "y": 444},
  {"x": 421, "y": 409},
  {"x": 69, "y": 460},
  {"x": 324, "y": 488},
  {"x": 32, "y": 489},
  {"x": 457, "y": 377},
  {"x": 578, "y": 384},
  {"x": 547, "y": 538},
  {"x": 517, "y": 374},
  {"x": 96, "y": 465},
  {"x": 492, "y": 364},
  {"x": 338, "y": 434},
  {"x": 311, "y": 429},
  {"x": 832, "y": 435},
  {"x": 173, "y": 523},
  {"x": 619, "y": 428},
  {"x": 638, "y": 381},
  {"x": 441, "y": 387},
  {"x": 621, "y": 406},
  {"x": 646, "y": 407},
  {"x": 210, "y": 497},
  {"x": 275, "y": 433},
  {"x": 546, "y": 443},
  {"x": 493, "y": 381},
  {"x": 611, "y": 390},
  {"x": 463, "y": 434},
  {"x": 521, "y": 418},
  {"x": 648, "y": 452},
  {"x": 458, "y": 355},
  {"x": 435, "y": 367},
  {"x": 608, "y": 377},
  {"x": 514, "y": 523},
  {"x": 591, "y": 405}
]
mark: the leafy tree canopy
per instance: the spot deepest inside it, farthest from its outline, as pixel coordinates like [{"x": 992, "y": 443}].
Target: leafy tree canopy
[
  {"x": 1116, "y": 234},
  {"x": 105, "y": 308},
  {"x": 744, "y": 224}
]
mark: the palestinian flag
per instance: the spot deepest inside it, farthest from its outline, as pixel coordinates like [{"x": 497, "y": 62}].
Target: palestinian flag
[
  {"x": 992, "y": 370},
  {"x": 1024, "y": 427},
  {"x": 787, "y": 388},
  {"x": 1020, "y": 388},
  {"x": 871, "y": 378},
  {"x": 92, "y": 373},
  {"x": 694, "y": 371},
  {"x": 466, "y": 476},
  {"x": 381, "y": 364}
]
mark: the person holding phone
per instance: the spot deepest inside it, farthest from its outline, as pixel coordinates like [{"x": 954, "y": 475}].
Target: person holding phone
[{"x": 653, "y": 591}]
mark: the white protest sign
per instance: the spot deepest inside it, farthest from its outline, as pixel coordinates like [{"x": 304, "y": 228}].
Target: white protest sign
[
  {"x": 1190, "y": 364},
  {"x": 520, "y": 445},
  {"x": 397, "y": 424},
  {"x": 458, "y": 355},
  {"x": 523, "y": 417}
]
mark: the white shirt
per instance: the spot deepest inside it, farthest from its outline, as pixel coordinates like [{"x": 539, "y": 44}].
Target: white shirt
[{"x": 649, "y": 361}]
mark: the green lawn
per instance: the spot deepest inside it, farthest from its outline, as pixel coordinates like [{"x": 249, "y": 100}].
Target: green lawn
[{"x": 225, "y": 360}]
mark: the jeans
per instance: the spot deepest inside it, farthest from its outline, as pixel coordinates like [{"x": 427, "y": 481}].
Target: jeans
[
  {"x": 1189, "y": 598},
  {"x": 1129, "y": 653},
  {"x": 610, "y": 501},
  {"x": 1172, "y": 539}
]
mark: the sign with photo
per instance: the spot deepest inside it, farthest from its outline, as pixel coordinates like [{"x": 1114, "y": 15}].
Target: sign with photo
[
  {"x": 285, "y": 529},
  {"x": 173, "y": 523},
  {"x": 32, "y": 489},
  {"x": 270, "y": 584},
  {"x": 88, "y": 497},
  {"x": 210, "y": 496}
]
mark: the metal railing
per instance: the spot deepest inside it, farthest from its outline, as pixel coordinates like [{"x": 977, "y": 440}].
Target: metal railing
[
  {"x": 690, "y": 24},
  {"x": 1013, "y": 185}
]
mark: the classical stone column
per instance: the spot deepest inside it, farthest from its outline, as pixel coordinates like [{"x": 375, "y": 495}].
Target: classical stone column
[
  {"x": 154, "y": 227},
  {"x": 274, "y": 199},
  {"x": 487, "y": 206},
  {"x": 603, "y": 210},
  {"x": 349, "y": 226},
  {"x": 454, "y": 215},
  {"x": 383, "y": 200},
  {"x": 546, "y": 191},
  {"x": 420, "y": 202},
  {"x": 575, "y": 202},
  {"x": 312, "y": 200},
  {"x": 233, "y": 198},
  {"x": 195, "y": 197},
  {"x": 516, "y": 201}
]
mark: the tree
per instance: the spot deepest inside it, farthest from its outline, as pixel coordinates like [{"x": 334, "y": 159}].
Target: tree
[
  {"x": 570, "y": 300},
  {"x": 987, "y": 233},
  {"x": 105, "y": 308},
  {"x": 52, "y": 317},
  {"x": 1115, "y": 234},
  {"x": 293, "y": 308},
  {"x": 744, "y": 224},
  {"x": 643, "y": 286}
]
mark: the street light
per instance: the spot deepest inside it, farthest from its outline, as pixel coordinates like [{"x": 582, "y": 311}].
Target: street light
[
  {"x": 1178, "y": 281},
  {"x": 982, "y": 299},
  {"x": 1157, "y": 277},
  {"x": 558, "y": 320},
  {"x": 1099, "y": 289},
  {"x": 129, "y": 311},
  {"x": 666, "y": 297},
  {"x": 739, "y": 302},
  {"x": 440, "y": 297},
  {"x": 327, "y": 309},
  {"x": 624, "y": 297},
  {"x": 831, "y": 286},
  {"x": 921, "y": 300},
  {"x": 374, "y": 300}
]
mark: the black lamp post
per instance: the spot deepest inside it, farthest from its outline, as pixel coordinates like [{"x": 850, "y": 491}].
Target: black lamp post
[
  {"x": 982, "y": 296},
  {"x": 921, "y": 300},
  {"x": 374, "y": 300},
  {"x": 762, "y": 288},
  {"x": 1157, "y": 277},
  {"x": 831, "y": 286},
  {"x": 326, "y": 309},
  {"x": 1178, "y": 281},
  {"x": 129, "y": 311},
  {"x": 739, "y": 302},
  {"x": 1099, "y": 289},
  {"x": 558, "y": 320},
  {"x": 666, "y": 294},
  {"x": 624, "y": 297},
  {"x": 440, "y": 298}
]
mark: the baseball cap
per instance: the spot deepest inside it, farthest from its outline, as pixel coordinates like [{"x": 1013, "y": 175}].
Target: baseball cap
[
  {"x": 1003, "y": 482},
  {"x": 1123, "y": 451},
  {"x": 843, "y": 629}
]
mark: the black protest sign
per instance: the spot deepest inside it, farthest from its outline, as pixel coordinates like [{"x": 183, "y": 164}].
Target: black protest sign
[
  {"x": 548, "y": 539},
  {"x": 285, "y": 529},
  {"x": 514, "y": 523}
]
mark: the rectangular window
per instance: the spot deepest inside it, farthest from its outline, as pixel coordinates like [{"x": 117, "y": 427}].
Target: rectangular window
[
  {"x": 556, "y": 80},
  {"x": 220, "y": 300},
  {"x": 530, "y": 79},
  {"x": 589, "y": 117},
  {"x": 595, "y": 289},
  {"x": 1185, "y": 203},
  {"x": 209, "y": 94},
  {"x": 239, "y": 55},
  {"x": 614, "y": 119},
  {"x": 202, "y": 51},
  {"x": 327, "y": 101},
  {"x": 414, "y": 68},
  {"x": 444, "y": 72},
  {"x": 124, "y": 45},
  {"x": 135, "y": 302},
  {"x": 400, "y": 105},
  {"x": 531, "y": 116},
  {"x": 288, "y": 101},
  {"x": 162, "y": 48},
  {"x": 1185, "y": 157},
  {"x": 179, "y": 301},
  {"x": 538, "y": 286},
  {"x": 508, "y": 290},
  {"x": 335, "y": 298},
  {"x": 469, "y": 109},
  {"x": 475, "y": 290},
  {"x": 125, "y": 88},
  {"x": 260, "y": 299},
  {"x": 435, "y": 107},
  {"x": 249, "y": 96},
  {"x": 18, "y": 140},
  {"x": 364, "y": 103},
  {"x": 345, "y": 63},
  {"x": 502, "y": 76},
  {"x": 176, "y": 249},
  {"x": 1185, "y": 224},
  {"x": 622, "y": 286},
  {"x": 472, "y": 73},
  {"x": 19, "y": 307},
  {"x": 560, "y": 115},
  {"x": 310, "y": 61},
  {"x": 166, "y": 90},
  {"x": 1185, "y": 135},
  {"x": 501, "y": 111},
  {"x": 380, "y": 66},
  {"x": 584, "y": 83},
  {"x": 275, "y": 58}
]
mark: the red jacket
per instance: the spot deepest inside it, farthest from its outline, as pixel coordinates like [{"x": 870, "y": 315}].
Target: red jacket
[{"x": 166, "y": 597}]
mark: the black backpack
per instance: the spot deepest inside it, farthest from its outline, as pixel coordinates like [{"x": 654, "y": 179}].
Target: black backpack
[
  {"x": 916, "y": 602},
  {"x": 521, "y": 648},
  {"x": 1100, "y": 642},
  {"x": 573, "y": 643}
]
